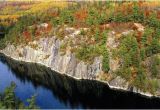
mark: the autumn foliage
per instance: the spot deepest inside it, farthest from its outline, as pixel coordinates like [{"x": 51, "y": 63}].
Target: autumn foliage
[
  {"x": 54, "y": 14},
  {"x": 49, "y": 27},
  {"x": 139, "y": 36},
  {"x": 81, "y": 14},
  {"x": 158, "y": 14},
  {"x": 27, "y": 36}
]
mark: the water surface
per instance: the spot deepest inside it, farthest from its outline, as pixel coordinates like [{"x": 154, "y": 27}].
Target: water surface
[{"x": 59, "y": 91}]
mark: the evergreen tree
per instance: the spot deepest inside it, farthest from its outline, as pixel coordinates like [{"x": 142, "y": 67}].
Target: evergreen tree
[{"x": 8, "y": 100}]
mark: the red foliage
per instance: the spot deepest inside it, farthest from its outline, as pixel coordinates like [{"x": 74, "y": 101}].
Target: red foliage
[
  {"x": 49, "y": 27},
  {"x": 37, "y": 33},
  {"x": 54, "y": 14},
  {"x": 147, "y": 12},
  {"x": 81, "y": 15},
  {"x": 130, "y": 8},
  {"x": 140, "y": 3},
  {"x": 27, "y": 36},
  {"x": 158, "y": 14},
  {"x": 139, "y": 36}
]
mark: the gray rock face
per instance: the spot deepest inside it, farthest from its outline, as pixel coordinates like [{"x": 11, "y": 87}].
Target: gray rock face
[
  {"x": 48, "y": 53},
  {"x": 118, "y": 82}
]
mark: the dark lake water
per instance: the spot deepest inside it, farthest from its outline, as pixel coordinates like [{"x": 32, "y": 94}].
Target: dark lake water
[{"x": 59, "y": 91}]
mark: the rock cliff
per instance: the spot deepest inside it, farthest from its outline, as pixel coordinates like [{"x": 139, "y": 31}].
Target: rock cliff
[{"x": 46, "y": 51}]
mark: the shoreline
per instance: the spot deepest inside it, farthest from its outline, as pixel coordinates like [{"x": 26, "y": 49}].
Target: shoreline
[{"x": 148, "y": 95}]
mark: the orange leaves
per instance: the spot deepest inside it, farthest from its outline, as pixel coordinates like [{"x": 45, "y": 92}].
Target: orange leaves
[
  {"x": 54, "y": 14},
  {"x": 139, "y": 36},
  {"x": 80, "y": 17},
  {"x": 37, "y": 33},
  {"x": 151, "y": 4},
  {"x": 158, "y": 14},
  {"x": 81, "y": 14},
  {"x": 124, "y": 8},
  {"x": 27, "y": 36},
  {"x": 49, "y": 27},
  {"x": 130, "y": 8},
  {"x": 147, "y": 12},
  {"x": 140, "y": 3},
  {"x": 44, "y": 29}
]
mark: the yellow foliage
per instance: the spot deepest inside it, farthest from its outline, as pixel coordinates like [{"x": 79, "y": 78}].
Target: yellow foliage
[
  {"x": 3, "y": 17},
  {"x": 12, "y": 13},
  {"x": 43, "y": 6},
  {"x": 152, "y": 4}
]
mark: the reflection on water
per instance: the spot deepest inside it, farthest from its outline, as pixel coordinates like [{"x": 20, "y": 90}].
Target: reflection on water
[
  {"x": 59, "y": 91},
  {"x": 2, "y": 35}
]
